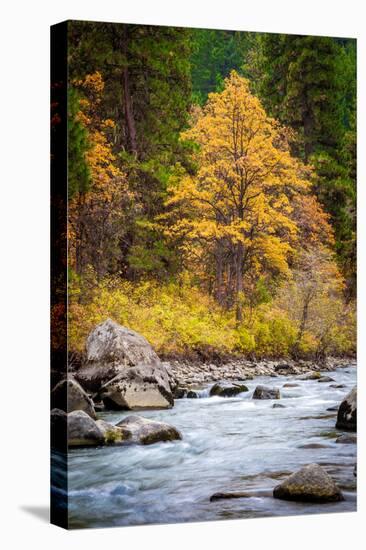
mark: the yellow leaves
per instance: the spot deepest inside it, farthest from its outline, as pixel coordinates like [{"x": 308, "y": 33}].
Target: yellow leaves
[
  {"x": 106, "y": 176},
  {"x": 244, "y": 184},
  {"x": 99, "y": 206},
  {"x": 92, "y": 83},
  {"x": 109, "y": 123}
]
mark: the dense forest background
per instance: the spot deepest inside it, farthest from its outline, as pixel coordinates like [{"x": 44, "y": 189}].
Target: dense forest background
[{"x": 212, "y": 189}]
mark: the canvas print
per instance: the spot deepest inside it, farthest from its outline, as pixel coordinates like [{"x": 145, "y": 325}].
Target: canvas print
[{"x": 203, "y": 299}]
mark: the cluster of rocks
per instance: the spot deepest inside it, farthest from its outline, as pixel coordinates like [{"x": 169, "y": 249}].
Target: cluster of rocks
[
  {"x": 190, "y": 375},
  {"x": 123, "y": 372},
  {"x": 84, "y": 431}
]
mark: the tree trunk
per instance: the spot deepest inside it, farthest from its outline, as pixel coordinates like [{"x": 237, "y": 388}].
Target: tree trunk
[
  {"x": 239, "y": 282},
  {"x": 219, "y": 274},
  {"x": 308, "y": 127},
  {"x": 128, "y": 108}
]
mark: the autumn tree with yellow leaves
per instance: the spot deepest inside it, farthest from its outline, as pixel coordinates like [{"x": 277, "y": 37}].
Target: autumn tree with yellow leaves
[{"x": 237, "y": 208}]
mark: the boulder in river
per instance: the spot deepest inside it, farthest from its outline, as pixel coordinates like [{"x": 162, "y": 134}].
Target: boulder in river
[
  {"x": 347, "y": 412},
  {"x": 140, "y": 387},
  {"x": 82, "y": 430},
  {"x": 310, "y": 484},
  {"x": 68, "y": 394},
  {"x": 192, "y": 394},
  {"x": 224, "y": 389},
  {"x": 110, "y": 342},
  {"x": 326, "y": 379},
  {"x": 291, "y": 385},
  {"x": 278, "y": 406},
  {"x": 264, "y": 392},
  {"x": 179, "y": 393},
  {"x": 112, "y": 434},
  {"x": 145, "y": 431}
]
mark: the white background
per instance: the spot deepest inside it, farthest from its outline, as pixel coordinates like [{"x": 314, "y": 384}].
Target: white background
[{"x": 24, "y": 290}]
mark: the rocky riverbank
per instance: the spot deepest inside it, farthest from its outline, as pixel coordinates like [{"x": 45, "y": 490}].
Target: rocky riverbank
[
  {"x": 122, "y": 373},
  {"x": 192, "y": 375}
]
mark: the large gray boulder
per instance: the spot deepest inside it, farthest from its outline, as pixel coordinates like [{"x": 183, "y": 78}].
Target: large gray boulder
[
  {"x": 264, "y": 392},
  {"x": 145, "y": 431},
  {"x": 310, "y": 484},
  {"x": 83, "y": 430},
  {"x": 224, "y": 389},
  {"x": 94, "y": 375},
  {"x": 110, "y": 342},
  {"x": 140, "y": 387},
  {"x": 68, "y": 395},
  {"x": 347, "y": 412},
  {"x": 124, "y": 371}
]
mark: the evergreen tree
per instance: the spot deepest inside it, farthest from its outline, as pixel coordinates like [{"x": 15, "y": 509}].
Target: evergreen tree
[
  {"x": 215, "y": 54},
  {"x": 78, "y": 169},
  {"x": 308, "y": 83}
]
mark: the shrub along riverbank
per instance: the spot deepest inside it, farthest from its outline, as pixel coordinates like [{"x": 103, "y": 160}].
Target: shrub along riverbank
[{"x": 181, "y": 321}]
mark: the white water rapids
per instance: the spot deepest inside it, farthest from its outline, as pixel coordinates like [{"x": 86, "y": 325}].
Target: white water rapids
[{"x": 229, "y": 444}]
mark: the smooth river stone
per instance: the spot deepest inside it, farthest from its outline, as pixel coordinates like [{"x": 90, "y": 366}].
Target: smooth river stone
[{"x": 310, "y": 484}]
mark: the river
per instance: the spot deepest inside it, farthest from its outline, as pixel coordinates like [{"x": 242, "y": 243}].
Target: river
[{"x": 229, "y": 444}]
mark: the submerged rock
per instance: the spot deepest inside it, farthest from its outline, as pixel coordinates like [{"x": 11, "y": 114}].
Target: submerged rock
[
  {"x": 224, "y": 389},
  {"x": 291, "y": 385},
  {"x": 145, "y": 431},
  {"x": 69, "y": 396},
  {"x": 82, "y": 430},
  {"x": 310, "y": 484},
  {"x": 347, "y": 439},
  {"x": 141, "y": 387},
  {"x": 347, "y": 412},
  {"x": 313, "y": 375},
  {"x": 264, "y": 392},
  {"x": 326, "y": 379},
  {"x": 222, "y": 496},
  {"x": 278, "y": 406},
  {"x": 240, "y": 494},
  {"x": 313, "y": 446}
]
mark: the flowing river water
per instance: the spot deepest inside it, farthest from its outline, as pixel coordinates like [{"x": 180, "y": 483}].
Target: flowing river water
[{"x": 229, "y": 444}]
